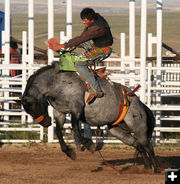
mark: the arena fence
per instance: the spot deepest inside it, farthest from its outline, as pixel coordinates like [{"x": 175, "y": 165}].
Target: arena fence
[{"x": 158, "y": 77}]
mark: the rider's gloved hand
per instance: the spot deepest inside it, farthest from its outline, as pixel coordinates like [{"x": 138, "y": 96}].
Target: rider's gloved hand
[{"x": 53, "y": 43}]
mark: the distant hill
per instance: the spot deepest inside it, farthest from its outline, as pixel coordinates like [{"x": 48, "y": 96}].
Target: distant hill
[{"x": 99, "y": 6}]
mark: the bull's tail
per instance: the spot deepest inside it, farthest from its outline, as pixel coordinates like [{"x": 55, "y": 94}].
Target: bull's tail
[{"x": 150, "y": 121}]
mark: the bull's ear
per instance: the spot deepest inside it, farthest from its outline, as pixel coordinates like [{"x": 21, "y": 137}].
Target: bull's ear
[{"x": 19, "y": 102}]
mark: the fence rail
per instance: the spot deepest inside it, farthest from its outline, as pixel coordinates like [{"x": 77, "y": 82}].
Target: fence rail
[
  {"x": 158, "y": 76},
  {"x": 164, "y": 90}
]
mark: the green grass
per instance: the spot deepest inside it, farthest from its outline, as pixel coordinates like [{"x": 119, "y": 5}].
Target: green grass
[
  {"x": 118, "y": 24},
  {"x": 19, "y": 135},
  {"x": 29, "y": 144}
]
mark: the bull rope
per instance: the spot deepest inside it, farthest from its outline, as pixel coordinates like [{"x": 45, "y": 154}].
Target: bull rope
[{"x": 105, "y": 161}]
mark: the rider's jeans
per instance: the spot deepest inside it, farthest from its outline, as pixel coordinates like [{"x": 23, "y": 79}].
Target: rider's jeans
[
  {"x": 87, "y": 133},
  {"x": 82, "y": 68}
]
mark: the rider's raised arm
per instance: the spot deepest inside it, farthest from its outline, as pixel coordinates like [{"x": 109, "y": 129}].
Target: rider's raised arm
[{"x": 87, "y": 34}]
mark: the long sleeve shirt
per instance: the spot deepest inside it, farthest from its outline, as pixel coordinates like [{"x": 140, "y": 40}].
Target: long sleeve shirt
[{"x": 88, "y": 34}]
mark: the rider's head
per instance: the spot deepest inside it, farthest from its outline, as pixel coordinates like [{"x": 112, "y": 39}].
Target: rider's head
[{"x": 88, "y": 16}]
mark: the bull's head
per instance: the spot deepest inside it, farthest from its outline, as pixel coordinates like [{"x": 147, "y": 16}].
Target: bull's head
[{"x": 38, "y": 109}]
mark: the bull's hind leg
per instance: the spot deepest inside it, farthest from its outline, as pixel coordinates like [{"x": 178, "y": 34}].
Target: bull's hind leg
[
  {"x": 59, "y": 120},
  {"x": 147, "y": 146},
  {"x": 127, "y": 138},
  {"x": 144, "y": 141},
  {"x": 141, "y": 133},
  {"x": 150, "y": 151},
  {"x": 136, "y": 119}
]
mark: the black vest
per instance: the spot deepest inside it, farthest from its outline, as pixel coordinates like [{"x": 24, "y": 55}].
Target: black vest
[{"x": 106, "y": 39}]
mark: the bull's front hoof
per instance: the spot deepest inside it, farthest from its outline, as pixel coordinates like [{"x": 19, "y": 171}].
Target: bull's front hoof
[
  {"x": 46, "y": 122},
  {"x": 71, "y": 153}
]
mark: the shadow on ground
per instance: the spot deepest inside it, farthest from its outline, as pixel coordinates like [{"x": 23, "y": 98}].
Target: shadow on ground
[{"x": 164, "y": 163}]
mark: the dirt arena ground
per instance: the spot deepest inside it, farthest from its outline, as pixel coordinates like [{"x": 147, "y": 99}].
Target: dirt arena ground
[{"x": 46, "y": 164}]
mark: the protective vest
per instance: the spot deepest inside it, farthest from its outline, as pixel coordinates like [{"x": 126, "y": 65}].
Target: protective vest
[{"x": 106, "y": 39}]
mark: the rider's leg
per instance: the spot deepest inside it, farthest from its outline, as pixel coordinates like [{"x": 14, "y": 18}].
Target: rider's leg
[
  {"x": 82, "y": 68},
  {"x": 87, "y": 131},
  {"x": 87, "y": 134},
  {"x": 76, "y": 138}
]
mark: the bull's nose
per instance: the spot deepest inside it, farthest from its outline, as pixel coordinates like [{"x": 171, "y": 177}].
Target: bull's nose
[{"x": 46, "y": 122}]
